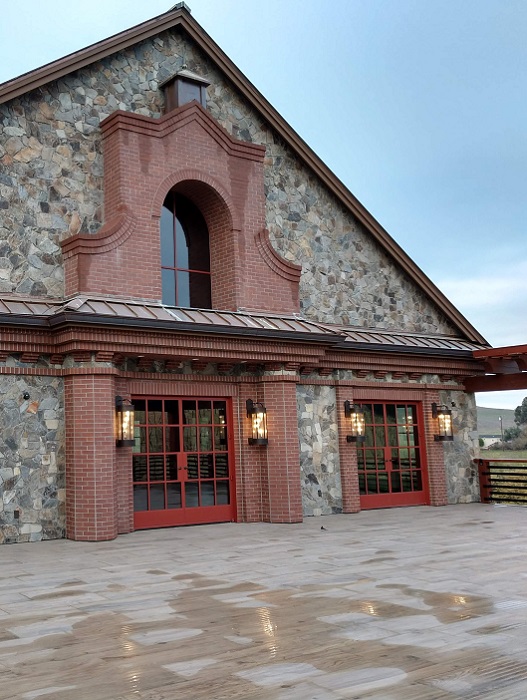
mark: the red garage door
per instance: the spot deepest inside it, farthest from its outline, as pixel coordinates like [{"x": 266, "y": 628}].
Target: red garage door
[
  {"x": 182, "y": 462},
  {"x": 391, "y": 461}
]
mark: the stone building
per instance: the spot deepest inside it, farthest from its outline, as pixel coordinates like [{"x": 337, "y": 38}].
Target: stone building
[{"x": 167, "y": 238}]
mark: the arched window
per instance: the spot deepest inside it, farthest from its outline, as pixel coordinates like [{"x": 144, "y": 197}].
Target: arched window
[{"x": 185, "y": 254}]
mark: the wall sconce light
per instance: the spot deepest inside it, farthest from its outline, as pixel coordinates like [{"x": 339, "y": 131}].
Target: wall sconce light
[
  {"x": 124, "y": 422},
  {"x": 444, "y": 422},
  {"x": 257, "y": 413},
  {"x": 357, "y": 422}
]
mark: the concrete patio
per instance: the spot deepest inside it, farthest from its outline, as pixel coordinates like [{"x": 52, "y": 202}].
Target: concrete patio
[{"x": 401, "y": 604}]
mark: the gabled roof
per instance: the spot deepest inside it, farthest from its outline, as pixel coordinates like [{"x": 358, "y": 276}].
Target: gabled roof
[{"x": 180, "y": 17}]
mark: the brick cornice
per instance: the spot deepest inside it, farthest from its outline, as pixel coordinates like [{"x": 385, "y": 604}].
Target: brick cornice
[
  {"x": 175, "y": 346},
  {"x": 177, "y": 119}
]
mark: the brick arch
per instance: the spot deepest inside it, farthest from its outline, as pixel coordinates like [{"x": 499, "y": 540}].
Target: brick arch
[{"x": 198, "y": 184}]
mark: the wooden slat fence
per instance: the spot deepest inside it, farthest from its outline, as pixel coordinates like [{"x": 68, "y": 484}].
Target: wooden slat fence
[{"x": 503, "y": 480}]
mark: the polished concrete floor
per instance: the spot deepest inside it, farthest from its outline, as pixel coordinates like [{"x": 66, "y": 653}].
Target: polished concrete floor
[{"x": 402, "y": 604}]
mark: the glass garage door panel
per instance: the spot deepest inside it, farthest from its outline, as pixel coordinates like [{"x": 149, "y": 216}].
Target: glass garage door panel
[
  {"x": 182, "y": 465},
  {"x": 390, "y": 460}
]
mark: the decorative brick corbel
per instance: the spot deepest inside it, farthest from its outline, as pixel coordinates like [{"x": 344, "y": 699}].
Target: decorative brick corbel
[
  {"x": 81, "y": 355},
  {"x": 112, "y": 234},
  {"x": 104, "y": 356},
  {"x": 29, "y": 358},
  {"x": 307, "y": 369},
  {"x": 325, "y": 371},
  {"x": 361, "y": 373},
  {"x": 288, "y": 270},
  {"x": 199, "y": 365}
]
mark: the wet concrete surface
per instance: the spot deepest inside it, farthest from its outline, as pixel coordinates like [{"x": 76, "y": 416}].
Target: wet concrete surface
[{"x": 401, "y": 604}]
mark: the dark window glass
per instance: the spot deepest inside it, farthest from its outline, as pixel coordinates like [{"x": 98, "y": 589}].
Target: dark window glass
[
  {"x": 140, "y": 411},
  {"x": 181, "y": 246},
  {"x": 167, "y": 237},
  {"x": 172, "y": 473},
  {"x": 155, "y": 412},
  {"x": 168, "y": 278},
  {"x": 190, "y": 441},
  {"x": 191, "y": 495},
  {"x": 189, "y": 412},
  {"x": 205, "y": 412},
  {"x": 192, "y": 467},
  {"x": 140, "y": 498},
  {"x": 173, "y": 495},
  {"x": 205, "y": 439},
  {"x": 171, "y": 412},
  {"x": 207, "y": 493},
  {"x": 378, "y": 413},
  {"x": 362, "y": 484},
  {"x": 140, "y": 472},
  {"x": 185, "y": 254},
  {"x": 157, "y": 497},
  {"x": 172, "y": 439},
  {"x": 206, "y": 468},
  {"x": 183, "y": 289},
  {"x": 220, "y": 412},
  {"x": 222, "y": 493},
  {"x": 222, "y": 465},
  {"x": 157, "y": 468},
  {"x": 220, "y": 439}
]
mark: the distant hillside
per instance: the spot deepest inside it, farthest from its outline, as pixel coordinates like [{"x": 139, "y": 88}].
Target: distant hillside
[{"x": 489, "y": 423}]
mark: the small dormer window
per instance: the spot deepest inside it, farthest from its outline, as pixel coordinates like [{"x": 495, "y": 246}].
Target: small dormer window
[{"x": 183, "y": 87}]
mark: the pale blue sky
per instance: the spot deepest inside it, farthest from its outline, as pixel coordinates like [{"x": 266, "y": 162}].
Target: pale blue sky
[{"x": 419, "y": 106}]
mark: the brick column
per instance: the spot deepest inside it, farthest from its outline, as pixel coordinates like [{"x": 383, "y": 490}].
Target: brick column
[
  {"x": 281, "y": 475},
  {"x": 91, "y": 496},
  {"x": 124, "y": 475},
  {"x": 349, "y": 477},
  {"x": 436, "y": 455},
  {"x": 252, "y": 497}
]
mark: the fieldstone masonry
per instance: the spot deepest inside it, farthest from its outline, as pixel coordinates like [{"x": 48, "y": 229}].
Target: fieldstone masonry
[
  {"x": 462, "y": 473},
  {"x": 32, "y": 495},
  {"x": 319, "y": 452}
]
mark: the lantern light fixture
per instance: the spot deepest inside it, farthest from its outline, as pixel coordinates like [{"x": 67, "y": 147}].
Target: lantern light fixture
[
  {"x": 443, "y": 415},
  {"x": 357, "y": 422},
  {"x": 257, "y": 414},
  {"x": 124, "y": 422}
]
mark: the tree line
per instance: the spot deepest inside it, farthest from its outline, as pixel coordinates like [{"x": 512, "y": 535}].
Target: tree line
[{"x": 516, "y": 438}]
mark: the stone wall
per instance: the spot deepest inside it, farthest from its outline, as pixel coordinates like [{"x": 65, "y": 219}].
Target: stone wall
[
  {"x": 32, "y": 489},
  {"x": 319, "y": 453},
  {"x": 461, "y": 472},
  {"x": 52, "y": 188}
]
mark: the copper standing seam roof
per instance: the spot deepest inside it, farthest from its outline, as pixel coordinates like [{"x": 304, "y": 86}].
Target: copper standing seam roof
[
  {"x": 134, "y": 313},
  {"x": 179, "y": 16}
]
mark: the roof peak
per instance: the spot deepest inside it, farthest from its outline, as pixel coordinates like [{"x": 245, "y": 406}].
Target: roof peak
[{"x": 180, "y": 6}]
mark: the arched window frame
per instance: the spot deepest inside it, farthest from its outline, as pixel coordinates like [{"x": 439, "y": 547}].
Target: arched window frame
[{"x": 185, "y": 254}]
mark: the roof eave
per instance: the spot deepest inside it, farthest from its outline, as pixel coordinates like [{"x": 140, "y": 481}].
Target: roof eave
[{"x": 88, "y": 55}]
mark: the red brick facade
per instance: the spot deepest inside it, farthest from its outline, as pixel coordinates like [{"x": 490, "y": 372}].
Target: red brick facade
[{"x": 188, "y": 152}]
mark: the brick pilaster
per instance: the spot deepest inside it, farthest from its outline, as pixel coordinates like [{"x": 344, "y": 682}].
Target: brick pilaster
[
  {"x": 282, "y": 458},
  {"x": 91, "y": 484},
  {"x": 348, "y": 457}
]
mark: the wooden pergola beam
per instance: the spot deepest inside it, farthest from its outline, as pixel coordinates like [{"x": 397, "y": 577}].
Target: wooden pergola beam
[{"x": 496, "y": 382}]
